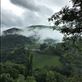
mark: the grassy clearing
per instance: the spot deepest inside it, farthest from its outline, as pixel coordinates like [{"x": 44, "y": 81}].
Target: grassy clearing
[{"x": 46, "y": 60}]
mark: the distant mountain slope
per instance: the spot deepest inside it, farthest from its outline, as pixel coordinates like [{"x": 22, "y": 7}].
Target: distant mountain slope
[
  {"x": 13, "y": 41},
  {"x": 12, "y": 31}
]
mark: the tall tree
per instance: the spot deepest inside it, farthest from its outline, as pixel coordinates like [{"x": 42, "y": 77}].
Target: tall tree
[
  {"x": 28, "y": 64},
  {"x": 70, "y": 19}
]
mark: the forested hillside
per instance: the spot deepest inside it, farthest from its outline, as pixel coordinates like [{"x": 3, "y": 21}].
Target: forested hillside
[
  {"x": 59, "y": 62},
  {"x": 25, "y": 59}
]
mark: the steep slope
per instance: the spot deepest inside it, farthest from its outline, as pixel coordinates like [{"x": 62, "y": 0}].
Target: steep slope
[
  {"x": 13, "y": 41},
  {"x": 12, "y": 31}
]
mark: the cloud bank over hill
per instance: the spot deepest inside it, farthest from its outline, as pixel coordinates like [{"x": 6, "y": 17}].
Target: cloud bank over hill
[
  {"x": 41, "y": 33},
  {"x": 23, "y": 13}
]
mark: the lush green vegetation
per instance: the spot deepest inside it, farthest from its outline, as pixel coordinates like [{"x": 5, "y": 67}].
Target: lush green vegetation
[
  {"x": 25, "y": 60},
  {"x": 51, "y": 63},
  {"x": 46, "y": 60}
]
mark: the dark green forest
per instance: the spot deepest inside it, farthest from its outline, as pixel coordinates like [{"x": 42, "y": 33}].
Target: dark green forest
[{"x": 23, "y": 59}]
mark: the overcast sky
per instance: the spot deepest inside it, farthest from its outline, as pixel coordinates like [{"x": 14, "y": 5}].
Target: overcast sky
[
  {"x": 23, "y": 13},
  {"x": 29, "y": 12}
]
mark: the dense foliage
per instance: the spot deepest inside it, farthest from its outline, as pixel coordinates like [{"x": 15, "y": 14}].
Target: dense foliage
[
  {"x": 70, "y": 19},
  {"x": 29, "y": 61},
  {"x": 12, "y": 41},
  {"x": 18, "y": 65}
]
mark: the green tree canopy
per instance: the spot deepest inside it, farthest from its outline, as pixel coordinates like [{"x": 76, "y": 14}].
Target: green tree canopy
[{"x": 70, "y": 19}]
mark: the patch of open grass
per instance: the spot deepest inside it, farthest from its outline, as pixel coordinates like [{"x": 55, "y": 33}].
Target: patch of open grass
[{"x": 46, "y": 60}]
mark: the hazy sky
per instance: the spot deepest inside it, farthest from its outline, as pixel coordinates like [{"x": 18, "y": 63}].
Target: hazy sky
[
  {"x": 22, "y": 13},
  {"x": 29, "y": 12}
]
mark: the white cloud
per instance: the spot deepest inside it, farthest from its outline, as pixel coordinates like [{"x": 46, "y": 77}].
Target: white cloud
[
  {"x": 6, "y": 5},
  {"x": 29, "y": 4},
  {"x": 30, "y": 11},
  {"x": 10, "y": 19}
]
